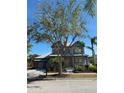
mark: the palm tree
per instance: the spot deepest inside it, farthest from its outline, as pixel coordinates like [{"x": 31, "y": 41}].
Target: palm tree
[
  {"x": 90, "y": 7},
  {"x": 93, "y": 41}
]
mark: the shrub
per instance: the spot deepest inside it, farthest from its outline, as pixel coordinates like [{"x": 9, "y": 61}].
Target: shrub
[
  {"x": 93, "y": 68},
  {"x": 79, "y": 68}
]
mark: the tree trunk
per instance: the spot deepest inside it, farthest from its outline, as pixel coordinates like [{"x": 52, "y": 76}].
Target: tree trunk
[
  {"x": 60, "y": 68},
  {"x": 61, "y": 60},
  {"x": 60, "y": 63},
  {"x": 93, "y": 53}
]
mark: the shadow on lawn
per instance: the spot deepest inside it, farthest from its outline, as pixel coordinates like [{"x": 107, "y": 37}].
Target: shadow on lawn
[
  {"x": 44, "y": 78},
  {"x": 38, "y": 78}
]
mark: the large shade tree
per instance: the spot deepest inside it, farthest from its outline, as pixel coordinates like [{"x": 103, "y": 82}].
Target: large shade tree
[
  {"x": 62, "y": 21},
  {"x": 30, "y": 34}
]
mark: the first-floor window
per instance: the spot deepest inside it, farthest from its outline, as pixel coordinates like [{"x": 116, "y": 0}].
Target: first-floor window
[
  {"x": 79, "y": 61},
  {"x": 76, "y": 60}
]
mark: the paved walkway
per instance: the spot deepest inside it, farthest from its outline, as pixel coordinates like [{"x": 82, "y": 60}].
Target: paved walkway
[{"x": 63, "y": 86}]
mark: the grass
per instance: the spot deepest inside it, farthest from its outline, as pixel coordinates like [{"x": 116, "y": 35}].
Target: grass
[{"x": 74, "y": 75}]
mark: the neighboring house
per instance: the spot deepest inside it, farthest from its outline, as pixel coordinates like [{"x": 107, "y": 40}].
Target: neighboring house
[{"x": 74, "y": 56}]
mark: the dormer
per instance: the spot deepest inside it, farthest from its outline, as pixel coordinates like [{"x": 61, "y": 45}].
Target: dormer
[{"x": 78, "y": 48}]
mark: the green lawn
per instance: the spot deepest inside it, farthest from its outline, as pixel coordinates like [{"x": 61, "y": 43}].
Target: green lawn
[{"x": 74, "y": 75}]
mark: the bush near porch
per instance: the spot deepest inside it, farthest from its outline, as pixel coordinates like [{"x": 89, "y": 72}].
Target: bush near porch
[{"x": 91, "y": 68}]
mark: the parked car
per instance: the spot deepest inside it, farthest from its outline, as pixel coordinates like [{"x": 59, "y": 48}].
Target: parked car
[{"x": 34, "y": 75}]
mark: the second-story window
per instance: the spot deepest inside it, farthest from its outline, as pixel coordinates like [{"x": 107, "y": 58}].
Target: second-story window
[{"x": 77, "y": 50}]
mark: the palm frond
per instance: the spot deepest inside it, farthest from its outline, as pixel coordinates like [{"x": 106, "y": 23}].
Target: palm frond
[{"x": 90, "y": 7}]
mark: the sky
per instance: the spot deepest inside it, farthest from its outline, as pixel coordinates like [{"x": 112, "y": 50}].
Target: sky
[{"x": 44, "y": 48}]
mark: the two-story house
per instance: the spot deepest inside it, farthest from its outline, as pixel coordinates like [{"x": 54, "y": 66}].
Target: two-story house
[{"x": 74, "y": 55}]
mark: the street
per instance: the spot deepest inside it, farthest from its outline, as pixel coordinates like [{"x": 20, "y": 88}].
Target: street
[{"x": 63, "y": 86}]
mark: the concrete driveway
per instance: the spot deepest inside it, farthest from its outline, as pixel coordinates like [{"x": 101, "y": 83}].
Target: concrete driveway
[{"x": 63, "y": 86}]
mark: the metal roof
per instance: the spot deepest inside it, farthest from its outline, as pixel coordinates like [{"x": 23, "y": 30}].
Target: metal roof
[
  {"x": 54, "y": 55},
  {"x": 42, "y": 56}
]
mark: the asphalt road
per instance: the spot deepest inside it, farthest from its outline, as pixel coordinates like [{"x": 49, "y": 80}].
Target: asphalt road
[{"x": 63, "y": 86}]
